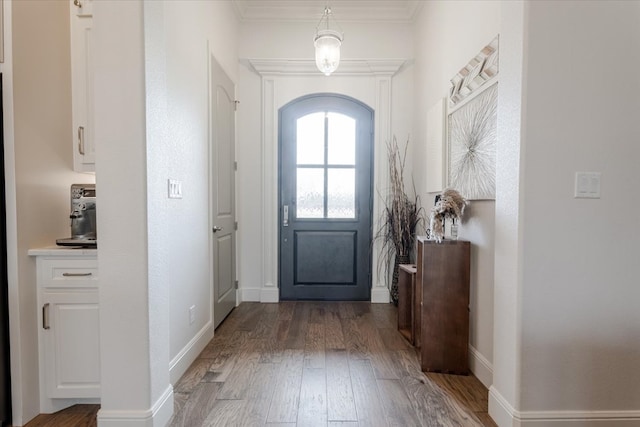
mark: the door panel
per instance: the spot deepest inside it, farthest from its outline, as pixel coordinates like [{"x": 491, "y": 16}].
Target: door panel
[
  {"x": 222, "y": 162},
  {"x": 326, "y": 148}
]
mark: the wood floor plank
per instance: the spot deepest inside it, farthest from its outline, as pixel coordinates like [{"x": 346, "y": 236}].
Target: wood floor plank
[
  {"x": 392, "y": 340},
  {"x": 239, "y": 383},
  {"x": 312, "y": 410},
  {"x": 397, "y": 407},
  {"x": 314, "y": 348},
  {"x": 365, "y": 393},
  {"x": 252, "y": 318},
  {"x": 297, "y": 333},
  {"x": 193, "y": 376},
  {"x": 286, "y": 309},
  {"x": 179, "y": 400},
  {"x": 259, "y": 395},
  {"x": 384, "y": 315},
  {"x": 355, "y": 342},
  {"x": 264, "y": 325},
  {"x": 467, "y": 389},
  {"x": 317, "y": 312},
  {"x": 345, "y": 309},
  {"x": 198, "y": 406},
  {"x": 340, "y": 402},
  {"x": 334, "y": 338},
  {"x": 433, "y": 406},
  {"x": 225, "y": 413},
  {"x": 286, "y": 395},
  {"x": 221, "y": 367}
]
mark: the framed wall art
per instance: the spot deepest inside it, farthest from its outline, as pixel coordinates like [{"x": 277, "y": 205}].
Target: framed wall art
[
  {"x": 472, "y": 146},
  {"x": 471, "y": 126}
]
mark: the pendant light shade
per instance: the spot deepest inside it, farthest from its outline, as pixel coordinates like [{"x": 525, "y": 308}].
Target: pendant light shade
[{"x": 327, "y": 43}]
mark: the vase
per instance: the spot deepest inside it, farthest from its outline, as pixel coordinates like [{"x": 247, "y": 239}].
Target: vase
[{"x": 399, "y": 259}]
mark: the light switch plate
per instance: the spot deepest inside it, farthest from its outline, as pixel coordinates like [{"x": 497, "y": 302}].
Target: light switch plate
[
  {"x": 587, "y": 185},
  {"x": 175, "y": 189}
]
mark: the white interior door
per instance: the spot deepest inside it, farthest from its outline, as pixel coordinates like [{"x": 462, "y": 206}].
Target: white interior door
[{"x": 222, "y": 172}]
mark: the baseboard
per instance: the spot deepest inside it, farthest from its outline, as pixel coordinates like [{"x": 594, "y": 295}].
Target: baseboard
[
  {"x": 265, "y": 294},
  {"x": 158, "y": 416},
  {"x": 505, "y": 416},
  {"x": 250, "y": 294},
  {"x": 481, "y": 367},
  {"x": 500, "y": 410},
  {"x": 269, "y": 295},
  {"x": 179, "y": 364},
  {"x": 380, "y": 295}
]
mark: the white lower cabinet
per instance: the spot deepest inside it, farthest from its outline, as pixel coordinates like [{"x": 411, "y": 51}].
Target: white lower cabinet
[
  {"x": 68, "y": 337},
  {"x": 71, "y": 343}
]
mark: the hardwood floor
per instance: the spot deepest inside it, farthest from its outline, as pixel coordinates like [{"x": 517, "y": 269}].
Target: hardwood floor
[{"x": 312, "y": 364}]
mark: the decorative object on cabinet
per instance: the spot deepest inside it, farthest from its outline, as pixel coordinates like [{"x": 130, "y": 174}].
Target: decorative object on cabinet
[
  {"x": 402, "y": 215},
  {"x": 472, "y": 146},
  {"x": 68, "y": 332},
  {"x": 449, "y": 205},
  {"x": 443, "y": 276}
]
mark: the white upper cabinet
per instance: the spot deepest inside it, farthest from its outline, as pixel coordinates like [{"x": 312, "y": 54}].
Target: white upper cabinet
[{"x": 82, "y": 99}]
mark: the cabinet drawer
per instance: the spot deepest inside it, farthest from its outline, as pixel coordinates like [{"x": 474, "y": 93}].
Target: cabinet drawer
[{"x": 68, "y": 273}]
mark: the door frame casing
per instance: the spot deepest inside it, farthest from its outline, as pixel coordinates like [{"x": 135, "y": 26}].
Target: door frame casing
[{"x": 369, "y": 81}]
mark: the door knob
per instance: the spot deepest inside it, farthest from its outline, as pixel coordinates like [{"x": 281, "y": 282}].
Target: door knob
[{"x": 216, "y": 228}]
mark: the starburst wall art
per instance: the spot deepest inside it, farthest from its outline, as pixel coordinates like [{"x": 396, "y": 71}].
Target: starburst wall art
[{"x": 472, "y": 146}]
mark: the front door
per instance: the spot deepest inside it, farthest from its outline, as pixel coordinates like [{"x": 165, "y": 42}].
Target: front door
[
  {"x": 222, "y": 171},
  {"x": 326, "y": 150}
]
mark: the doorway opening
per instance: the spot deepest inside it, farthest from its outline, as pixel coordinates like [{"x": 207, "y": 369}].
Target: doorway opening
[{"x": 325, "y": 201}]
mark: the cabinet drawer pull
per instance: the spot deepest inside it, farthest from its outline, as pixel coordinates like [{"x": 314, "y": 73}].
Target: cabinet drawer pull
[
  {"x": 45, "y": 316},
  {"x": 81, "y": 140},
  {"x": 76, "y": 274}
]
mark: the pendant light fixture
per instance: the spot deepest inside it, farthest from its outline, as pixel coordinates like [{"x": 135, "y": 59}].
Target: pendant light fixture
[{"x": 327, "y": 43}]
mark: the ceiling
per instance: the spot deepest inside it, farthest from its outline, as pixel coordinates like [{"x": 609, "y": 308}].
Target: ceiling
[{"x": 343, "y": 10}]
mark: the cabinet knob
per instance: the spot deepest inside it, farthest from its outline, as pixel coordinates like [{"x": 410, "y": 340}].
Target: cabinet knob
[{"x": 77, "y": 3}]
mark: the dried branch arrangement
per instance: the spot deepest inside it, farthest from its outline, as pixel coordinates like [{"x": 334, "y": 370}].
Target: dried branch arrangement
[{"x": 402, "y": 215}]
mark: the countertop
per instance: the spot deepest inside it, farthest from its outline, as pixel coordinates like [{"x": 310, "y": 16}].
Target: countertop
[{"x": 63, "y": 251}]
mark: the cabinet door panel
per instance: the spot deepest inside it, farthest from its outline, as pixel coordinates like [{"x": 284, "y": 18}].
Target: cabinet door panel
[
  {"x": 82, "y": 90},
  {"x": 72, "y": 345}
]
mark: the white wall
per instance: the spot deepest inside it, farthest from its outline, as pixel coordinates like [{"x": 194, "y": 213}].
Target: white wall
[
  {"x": 152, "y": 120},
  {"x": 193, "y": 31},
  {"x": 578, "y": 269},
  {"x": 40, "y": 140},
  {"x": 258, "y": 139},
  {"x": 447, "y": 35}
]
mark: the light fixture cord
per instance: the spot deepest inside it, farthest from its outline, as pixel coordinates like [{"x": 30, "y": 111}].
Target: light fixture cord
[{"x": 325, "y": 17}]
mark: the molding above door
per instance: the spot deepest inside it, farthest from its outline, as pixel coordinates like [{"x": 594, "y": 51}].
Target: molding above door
[
  {"x": 348, "y": 67},
  {"x": 274, "y": 73}
]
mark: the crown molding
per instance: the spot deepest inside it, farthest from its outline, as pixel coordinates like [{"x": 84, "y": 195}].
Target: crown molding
[{"x": 400, "y": 11}]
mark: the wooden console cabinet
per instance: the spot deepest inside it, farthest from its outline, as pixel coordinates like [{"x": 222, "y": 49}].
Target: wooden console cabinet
[
  {"x": 443, "y": 271},
  {"x": 408, "y": 303}
]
